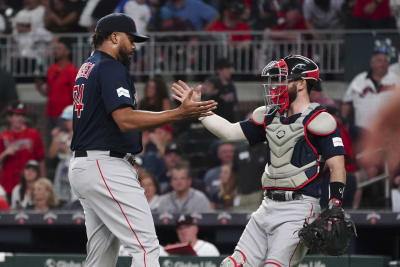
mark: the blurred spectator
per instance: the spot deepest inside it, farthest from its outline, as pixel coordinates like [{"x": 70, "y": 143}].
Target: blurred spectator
[
  {"x": 139, "y": 11},
  {"x": 155, "y": 95},
  {"x": 372, "y": 14},
  {"x": 395, "y": 9},
  {"x": 264, "y": 14},
  {"x": 151, "y": 190},
  {"x": 183, "y": 198},
  {"x": 86, "y": 19},
  {"x": 225, "y": 198},
  {"x": 8, "y": 91},
  {"x": 160, "y": 138},
  {"x": 18, "y": 145},
  {"x": 61, "y": 16},
  {"x": 318, "y": 96},
  {"x": 30, "y": 37},
  {"x": 212, "y": 181},
  {"x": 396, "y": 194},
  {"x": 199, "y": 14},
  {"x": 226, "y": 96},
  {"x": 232, "y": 21},
  {"x": 187, "y": 230},
  {"x": 368, "y": 91},
  {"x": 43, "y": 196},
  {"x": 60, "y": 148},
  {"x": 22, "y": 194},
  {"x": 6, "y": 13},
  {"x": 34, "y": 10},
  {"x": 3, "y": 200},
  {"x": 209, "y": 88},
  {"x": 293, "y": 21},
  {"x": 60, "y": 82},
  {"x": 250, "y": 161},
  {"x": 171, "y": 158},
  {"x": 94, "y": 10},
  {"x": 155, "y": 18},
  {"x": 323, "y": 14}
]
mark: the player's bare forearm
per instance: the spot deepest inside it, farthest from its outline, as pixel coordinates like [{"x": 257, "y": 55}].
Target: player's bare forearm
[
  {"x": 337, "y": 169},
  {"x": 128, "y": 119}
]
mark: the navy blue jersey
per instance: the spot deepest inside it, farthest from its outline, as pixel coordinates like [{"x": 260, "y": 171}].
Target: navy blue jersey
[
  {"x": 325, "y": 146},
  {"x": 103, "y": 85}
]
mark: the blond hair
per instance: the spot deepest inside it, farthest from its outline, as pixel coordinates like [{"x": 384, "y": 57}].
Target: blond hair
[{"x": 52, "y": 201}]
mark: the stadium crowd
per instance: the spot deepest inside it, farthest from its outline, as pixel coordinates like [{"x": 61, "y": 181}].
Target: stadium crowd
[{"x": 182, "y": 167}]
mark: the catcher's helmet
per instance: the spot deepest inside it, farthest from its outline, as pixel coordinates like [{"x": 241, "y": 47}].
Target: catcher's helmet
[{"x": 279, "y": 73}]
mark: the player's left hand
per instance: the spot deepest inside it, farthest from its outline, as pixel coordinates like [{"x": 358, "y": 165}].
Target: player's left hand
[{"x": 181, "y": 90}]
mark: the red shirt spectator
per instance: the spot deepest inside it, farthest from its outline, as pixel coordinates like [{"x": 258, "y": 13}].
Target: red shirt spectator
[
  {"x": 18, "y": 145},
  {"x": 242, "y": 26},
  {"x": 60, "y": 81},
  {"x": 293, "y": 21},
  {"x": 379, "y": 9},
  {"x": 232, "y": 21}
]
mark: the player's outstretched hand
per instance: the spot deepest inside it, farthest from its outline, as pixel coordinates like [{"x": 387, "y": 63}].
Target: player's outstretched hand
[
  {"x": 181, "y": 90},
  {"x": 193, "y": 109}
]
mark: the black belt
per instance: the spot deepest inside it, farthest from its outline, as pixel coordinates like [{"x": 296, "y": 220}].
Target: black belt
[
  {"x": 115, "y": 154},
  {"x": 280, "y": 195},
  {"x": 83, "y": 153}
]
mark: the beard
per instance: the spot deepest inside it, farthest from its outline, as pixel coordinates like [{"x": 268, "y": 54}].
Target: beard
[
  {"x": 124, "y": 56},
  {"x": 292, "y": 93}
]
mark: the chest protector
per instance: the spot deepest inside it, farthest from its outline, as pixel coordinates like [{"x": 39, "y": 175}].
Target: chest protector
[{"x": 294, "y": 162}]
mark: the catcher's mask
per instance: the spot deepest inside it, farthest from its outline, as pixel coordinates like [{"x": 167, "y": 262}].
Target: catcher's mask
[
  {"x": 279, "y": 73},
  {"x": 276, "y": 86}
]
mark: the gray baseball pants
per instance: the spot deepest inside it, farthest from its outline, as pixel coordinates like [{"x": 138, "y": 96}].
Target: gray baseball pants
[
  {"x": 271, "y": 235},
  {"x": 116, "y": 210}
]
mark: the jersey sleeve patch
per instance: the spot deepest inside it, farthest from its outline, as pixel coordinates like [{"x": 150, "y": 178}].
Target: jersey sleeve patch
[
  {"x": 337, "y": 141},
  {"x": 123, "y": 92},
  {"x": 322, "y": 124},
  {"x": 258, "y": 115}
]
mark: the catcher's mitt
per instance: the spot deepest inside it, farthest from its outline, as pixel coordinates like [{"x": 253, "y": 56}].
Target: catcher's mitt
[{"x": 329, "y": 234}]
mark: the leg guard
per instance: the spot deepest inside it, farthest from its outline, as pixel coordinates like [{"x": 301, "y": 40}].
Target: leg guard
[{"x": 236, "y": 260}]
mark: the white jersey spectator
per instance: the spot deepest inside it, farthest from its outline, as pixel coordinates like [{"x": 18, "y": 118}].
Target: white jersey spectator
[
  {"x": 29, "y": 34},
  {"x": 368, "y": 91},
  {"x": 367, "y": 97}
]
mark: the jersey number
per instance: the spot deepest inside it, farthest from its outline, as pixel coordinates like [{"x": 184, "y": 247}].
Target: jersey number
[{"x": 77, "y": 96}]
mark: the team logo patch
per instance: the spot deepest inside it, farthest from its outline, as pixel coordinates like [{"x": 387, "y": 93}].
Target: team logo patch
[
  {"x": 123, "y": 92},
  {"x": 337, "y": 141},
  {"x": 280, "y": 134}
]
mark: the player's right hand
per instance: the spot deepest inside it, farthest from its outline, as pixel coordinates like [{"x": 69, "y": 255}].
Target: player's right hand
[{"x": 192, "y": 109}]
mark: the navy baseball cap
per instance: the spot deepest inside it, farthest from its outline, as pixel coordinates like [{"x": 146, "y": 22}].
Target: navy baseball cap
[{"x": 118, "y": 22}]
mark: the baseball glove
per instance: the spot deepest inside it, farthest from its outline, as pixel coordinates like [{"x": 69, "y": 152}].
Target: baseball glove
[{"x": 329, "y": 234}]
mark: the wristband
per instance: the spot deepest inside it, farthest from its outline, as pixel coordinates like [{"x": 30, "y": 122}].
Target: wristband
[{"x": 336, "y": 190}]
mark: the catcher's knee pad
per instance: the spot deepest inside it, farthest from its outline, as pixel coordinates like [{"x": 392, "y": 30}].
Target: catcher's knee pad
[{"x": 236, "y": 260}]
